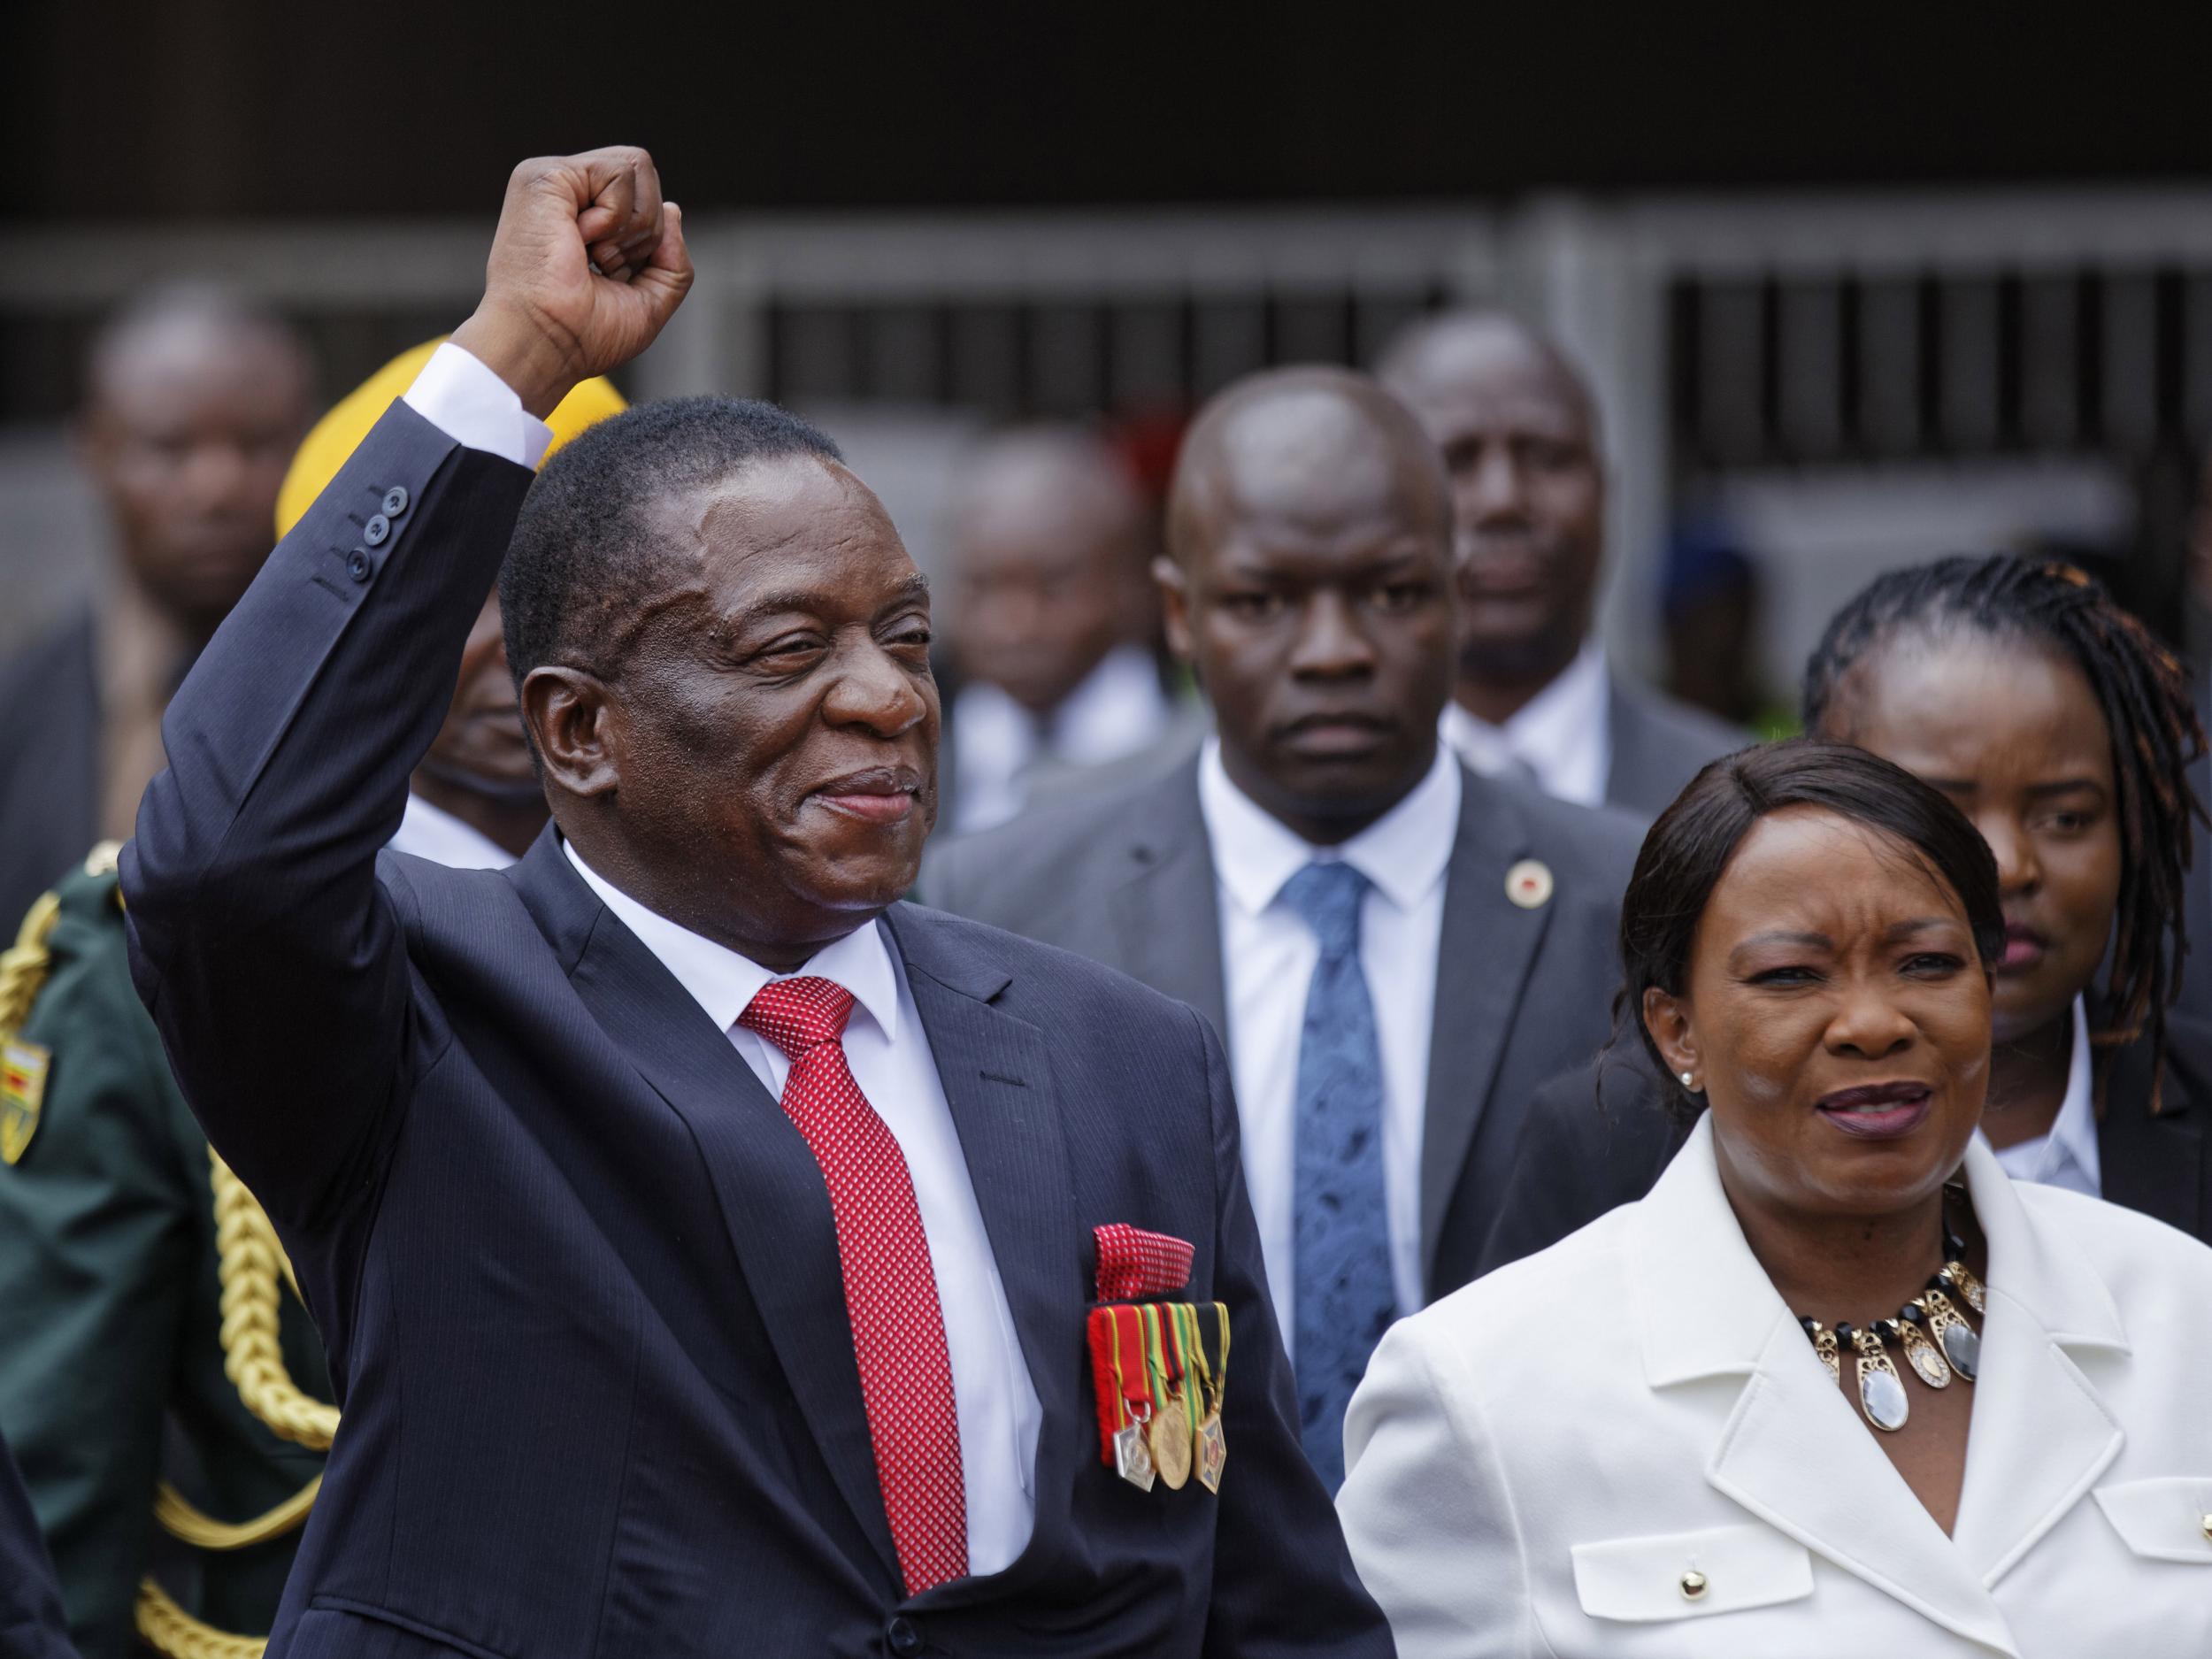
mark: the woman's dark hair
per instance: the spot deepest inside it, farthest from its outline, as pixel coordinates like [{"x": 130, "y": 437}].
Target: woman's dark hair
[
  {"x": 1687, "y": 850},
  {"x": 2144, "y": 693}
]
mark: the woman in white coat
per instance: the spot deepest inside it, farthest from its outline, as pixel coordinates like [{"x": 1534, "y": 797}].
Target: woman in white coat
[{"x": 1837, "y": 1385}]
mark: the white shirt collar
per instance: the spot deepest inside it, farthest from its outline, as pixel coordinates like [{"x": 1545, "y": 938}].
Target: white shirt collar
[
  {"x": 433, "y": 832},
  {"x": 2067, "y": 1153},
  {"x": 724, "y": 983},
  {"x": 1404, "y": 853},
  {"x": 1563, "y": 734}
]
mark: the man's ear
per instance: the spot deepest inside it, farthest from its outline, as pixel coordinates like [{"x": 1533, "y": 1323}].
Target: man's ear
[
  {"x": 573, "y": 719},
  {"x": 1667, "y": 1018},
  {"x": 1174, "y": 605}
]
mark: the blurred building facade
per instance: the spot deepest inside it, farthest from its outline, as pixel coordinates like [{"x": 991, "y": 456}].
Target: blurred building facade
[{"x": 1849, "y": 381}]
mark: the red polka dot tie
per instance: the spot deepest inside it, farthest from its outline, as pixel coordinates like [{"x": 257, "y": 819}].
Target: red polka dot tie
[{"x": 890, "y": 1289}]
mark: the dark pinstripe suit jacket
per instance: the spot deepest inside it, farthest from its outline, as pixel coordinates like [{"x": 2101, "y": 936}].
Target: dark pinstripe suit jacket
[{"x": 576, "y": 1270}]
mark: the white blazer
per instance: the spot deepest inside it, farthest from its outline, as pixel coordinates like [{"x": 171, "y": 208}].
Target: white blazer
[{"x": 1538, "y": 1460}]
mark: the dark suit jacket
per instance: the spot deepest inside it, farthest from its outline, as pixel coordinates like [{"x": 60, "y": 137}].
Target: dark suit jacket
[
  {"x": 1520, "y": 994},
  {"x": 1658, "y": 746},
  {"x": 576, "y": 1270},
  {"x": 2194, "y": 996},
  {"x": 1580, "y": 1156},
  {"x": 50, "y": 766},
  {"x": 31, "y": 1622}
]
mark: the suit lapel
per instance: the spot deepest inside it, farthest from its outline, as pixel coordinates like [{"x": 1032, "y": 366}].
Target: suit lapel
[
  {"x": 2041, "y": 1432},
  {"x": 997, "y": 1075},
  {"x": 1486, "y": 947},
  {"x": 1167, "y": 911},
  {"x": 765, "y": 1180}
]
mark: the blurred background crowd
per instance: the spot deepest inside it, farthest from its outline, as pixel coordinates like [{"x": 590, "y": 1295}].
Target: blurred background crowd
[{"x": 1843, "y": 305}]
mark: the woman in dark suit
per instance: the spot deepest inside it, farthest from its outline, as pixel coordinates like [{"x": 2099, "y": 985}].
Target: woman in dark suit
[{"x": 2064, "y": 732}]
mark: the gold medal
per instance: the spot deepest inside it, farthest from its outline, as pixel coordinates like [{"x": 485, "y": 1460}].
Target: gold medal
[
  {"x": 1171, "y": 1445},
  {"x": 1168, "y": 1434}
]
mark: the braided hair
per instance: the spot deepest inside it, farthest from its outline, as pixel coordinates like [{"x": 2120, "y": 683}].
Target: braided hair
[{"x": 2144, "y": 693}]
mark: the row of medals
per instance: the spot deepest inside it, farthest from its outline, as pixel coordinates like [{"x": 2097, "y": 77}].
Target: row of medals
[
  {"x": 1934, "y": 1334},
  {"x": 1162, "y": 1447}
]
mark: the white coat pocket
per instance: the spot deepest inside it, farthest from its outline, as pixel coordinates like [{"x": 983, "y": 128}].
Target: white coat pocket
[
  {"x": 2166, "y": 1519},
  {"x": 1690, "y": 1575}
]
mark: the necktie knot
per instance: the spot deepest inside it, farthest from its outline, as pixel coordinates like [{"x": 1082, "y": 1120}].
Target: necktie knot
[
  {"x": 1326, "y": 896},
  {"x": 797, "y": 1015}
]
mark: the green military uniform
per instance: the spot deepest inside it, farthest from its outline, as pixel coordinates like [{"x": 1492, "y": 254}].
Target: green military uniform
[{"x": 112, "y": 1380}]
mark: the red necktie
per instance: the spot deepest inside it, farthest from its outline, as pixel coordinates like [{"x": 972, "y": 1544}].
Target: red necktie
[{"x": 890, "y": 1289}]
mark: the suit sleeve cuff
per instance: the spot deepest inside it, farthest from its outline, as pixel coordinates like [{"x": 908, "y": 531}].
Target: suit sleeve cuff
[{"x": 472, "y": 406}]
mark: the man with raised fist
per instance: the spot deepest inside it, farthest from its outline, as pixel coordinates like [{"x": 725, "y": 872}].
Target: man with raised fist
[{"x": 705, "y": 1242}]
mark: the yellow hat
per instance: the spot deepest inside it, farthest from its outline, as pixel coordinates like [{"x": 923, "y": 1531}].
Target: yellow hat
[{"x": 337, "y": 436}]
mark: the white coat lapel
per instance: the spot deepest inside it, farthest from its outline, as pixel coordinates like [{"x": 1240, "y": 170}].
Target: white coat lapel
[
  {"x": 2042, "y": 1433},
  {"x": 1786, "y": 1445}
]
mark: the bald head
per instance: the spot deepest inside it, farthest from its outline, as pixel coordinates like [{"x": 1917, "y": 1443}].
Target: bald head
[
  {"x": 1316, "y": 443},
  {"x": 1518, "y": 431},
  {"x": 1310, "y": 527},
  {"x": 195, "y": 401},
  {"x": 1050, "y": 539}
]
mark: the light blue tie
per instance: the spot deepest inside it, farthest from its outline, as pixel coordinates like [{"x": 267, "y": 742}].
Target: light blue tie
[{"x": 1342, "y": 1236}]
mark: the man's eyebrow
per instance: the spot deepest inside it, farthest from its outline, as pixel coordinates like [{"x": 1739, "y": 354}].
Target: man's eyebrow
[
  {"x": 2063, "y": 786},
  {"x": 776, "y": 602},
  {"x": 1899, "y": 931}
]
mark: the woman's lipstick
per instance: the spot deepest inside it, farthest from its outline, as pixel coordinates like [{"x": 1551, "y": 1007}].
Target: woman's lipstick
[
  {"x": 1878, "y": 1111},
  {"x": 2024, "y": 949}
]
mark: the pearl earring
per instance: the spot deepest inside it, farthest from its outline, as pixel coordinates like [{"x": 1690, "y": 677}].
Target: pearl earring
[{"x": 1686, "y": 1079}]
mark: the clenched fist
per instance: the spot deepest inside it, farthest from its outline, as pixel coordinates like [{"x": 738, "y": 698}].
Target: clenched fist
[{"x": 587, "y": 265}]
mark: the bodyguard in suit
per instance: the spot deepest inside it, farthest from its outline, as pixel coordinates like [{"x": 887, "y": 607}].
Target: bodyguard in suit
[
  {"x": 1535, "y": 697},
  {"x": 702, "y": 1240},
  {"x": 193, "y": 402},
  {"x": 1397, "y": 952}
]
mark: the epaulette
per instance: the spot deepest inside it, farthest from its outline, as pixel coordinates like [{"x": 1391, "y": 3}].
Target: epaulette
[{"x": 23, "y": 967}]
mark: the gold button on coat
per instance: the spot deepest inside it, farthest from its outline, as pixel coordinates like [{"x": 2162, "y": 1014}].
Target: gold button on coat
[
  {"x": 1693, "y": 1584},
  {"x": 2206, "y": 1524}
]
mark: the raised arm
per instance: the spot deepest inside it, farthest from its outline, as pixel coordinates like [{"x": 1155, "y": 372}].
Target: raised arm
[{"x": 272, "y": 960}]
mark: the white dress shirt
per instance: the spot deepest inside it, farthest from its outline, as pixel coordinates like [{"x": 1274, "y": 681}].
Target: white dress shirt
[
  {"x": 2066, "y": 1153},
  {"x": 433, "y": 832},
  {"x": 1563, "y": 734},
  {"x": 891, "y": 1060},
  {"x": 472, "y": 406},
  {"x": 885, "y": 1045},
  {"x": 1268, "y": 956},
  {"x": 1117, "y": 709}
]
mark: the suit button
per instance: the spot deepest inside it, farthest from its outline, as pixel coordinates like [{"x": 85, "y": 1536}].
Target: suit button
[
  {"x": 2207, "y": 1525},
  {"x": 358, "y": 566},
  {"x": 905, "y": 1636},
  {"x": 395, "y": 501},
  {"x": 377, "y": 528},
  {"x": 1692, "y": 1586}
]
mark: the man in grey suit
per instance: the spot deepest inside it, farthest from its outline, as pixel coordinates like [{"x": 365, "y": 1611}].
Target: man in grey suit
[
  {"x": 1396, "y": 951},
  {"x": 1535, "y": 698}
]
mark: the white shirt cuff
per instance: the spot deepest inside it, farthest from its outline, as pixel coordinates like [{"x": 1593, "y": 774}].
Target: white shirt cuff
[{"x": 472, "y": 406}]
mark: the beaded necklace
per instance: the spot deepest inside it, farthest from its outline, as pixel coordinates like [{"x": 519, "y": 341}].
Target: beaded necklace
[{"x": 1930, "y": 1331}]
